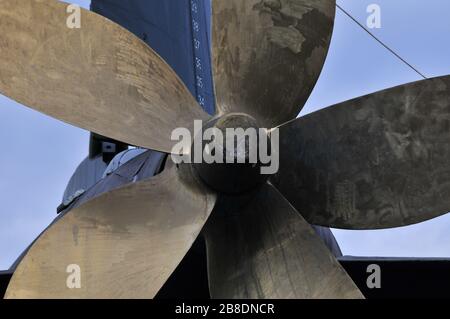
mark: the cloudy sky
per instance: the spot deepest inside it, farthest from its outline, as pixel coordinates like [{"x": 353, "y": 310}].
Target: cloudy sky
[{"x": 39, "y": 154}]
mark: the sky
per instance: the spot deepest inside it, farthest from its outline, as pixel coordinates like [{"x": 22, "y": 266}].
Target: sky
[{"x": 39, "y": 154}]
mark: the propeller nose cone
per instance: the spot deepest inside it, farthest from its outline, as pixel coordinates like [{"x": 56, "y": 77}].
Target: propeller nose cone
[{"x": 232, "y": 146}]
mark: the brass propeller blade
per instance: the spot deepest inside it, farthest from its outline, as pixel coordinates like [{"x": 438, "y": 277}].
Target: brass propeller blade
[
  {"x": 267, "y": 55},
  {"x": 126, "y": 243},
  {"x": 377, "y": 161},
  {"x": 99, "y": 77},
  {"x": 263, "y": 248}
]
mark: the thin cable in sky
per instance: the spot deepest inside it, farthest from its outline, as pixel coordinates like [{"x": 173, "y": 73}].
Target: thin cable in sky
[{"x": 381, "y": 42}]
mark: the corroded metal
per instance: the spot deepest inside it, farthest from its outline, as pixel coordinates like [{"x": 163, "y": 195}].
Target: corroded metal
[
  {"x": 99, "y": 77},
  {"x": 237, "y": 168},
  {"x": 261, "y": 247},
  {"x": 126, "y": 242},
  {"x": 267, "y": 55},
  {"x": 377, "y": 161}
]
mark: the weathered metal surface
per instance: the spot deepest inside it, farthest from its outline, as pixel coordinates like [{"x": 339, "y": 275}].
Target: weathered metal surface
[
  {"x": 99, "y": 77},
  {"x": 127, "y": 242},
  {"x": 139, "y": 168},
  {"x": 377, "y": 161},
  {"x": 88, "y": 173},
  {"x": 126, "y": 174},
  {"x": 238, "y": 169},
  {"x": 178, "y": 31},
  {"x": 267, "y": 55},
  {"x": 263, "y": 248}
]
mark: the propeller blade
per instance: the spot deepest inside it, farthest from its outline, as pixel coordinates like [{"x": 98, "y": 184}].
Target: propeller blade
[
  {"x": 98, "y": 77},
  {"x": 124, "y": 244},
  {"x": 374, "y": 162},
  {"x": 263, "y": 248},
  {"x": 267, "y": 55}
]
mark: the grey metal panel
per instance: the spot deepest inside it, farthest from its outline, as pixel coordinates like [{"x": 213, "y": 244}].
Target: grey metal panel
[
  {"x": 88, "y": 173},
  {"x": 122, "y": 158},
  {"x": 145, "y": 165}
]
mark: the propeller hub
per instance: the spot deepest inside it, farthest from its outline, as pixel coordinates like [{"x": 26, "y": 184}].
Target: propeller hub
[{"x": 230, "y": 149}]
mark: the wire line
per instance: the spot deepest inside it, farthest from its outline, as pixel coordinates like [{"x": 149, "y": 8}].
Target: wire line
[{"x": 381, "y": 42}]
